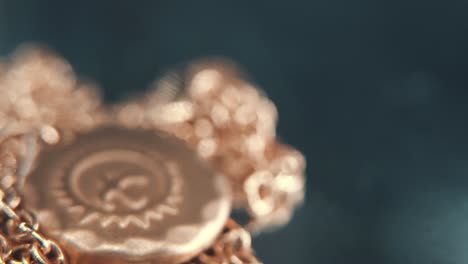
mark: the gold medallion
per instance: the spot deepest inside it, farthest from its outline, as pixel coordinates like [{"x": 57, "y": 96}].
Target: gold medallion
[{"x": 114, "y": 195}]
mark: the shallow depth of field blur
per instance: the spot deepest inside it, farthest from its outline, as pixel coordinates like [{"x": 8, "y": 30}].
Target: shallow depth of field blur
[{"x": 375, "y": 94}]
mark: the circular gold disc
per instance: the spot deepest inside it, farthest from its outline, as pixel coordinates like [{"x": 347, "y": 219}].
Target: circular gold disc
[{"x": 117, "y": 196}]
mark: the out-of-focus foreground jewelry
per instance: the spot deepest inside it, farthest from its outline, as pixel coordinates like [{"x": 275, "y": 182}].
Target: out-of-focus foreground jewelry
[{"x": 151, "y": 180}]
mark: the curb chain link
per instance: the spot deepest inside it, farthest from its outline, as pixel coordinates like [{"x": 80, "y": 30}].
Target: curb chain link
[
  {"x": 20, "y": 238},
  {"x": 232, "y": 247}
]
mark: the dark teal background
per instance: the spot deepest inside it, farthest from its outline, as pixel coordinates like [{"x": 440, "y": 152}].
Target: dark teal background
[{"x": 375, "y": 93}]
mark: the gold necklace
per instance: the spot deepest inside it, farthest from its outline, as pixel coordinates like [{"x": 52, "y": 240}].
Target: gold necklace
[{"x": 151, "y": 180}]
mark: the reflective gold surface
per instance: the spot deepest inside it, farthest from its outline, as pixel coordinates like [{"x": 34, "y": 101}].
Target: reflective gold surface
[
  {"x": 115, "y": 195},
  {"x": 112, "y": 195}
]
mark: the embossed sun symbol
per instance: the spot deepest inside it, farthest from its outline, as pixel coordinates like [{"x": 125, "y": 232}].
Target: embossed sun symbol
[{"x": 115, "y": 192}]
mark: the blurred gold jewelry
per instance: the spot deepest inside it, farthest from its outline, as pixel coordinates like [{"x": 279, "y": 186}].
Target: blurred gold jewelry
[{"x": 123, "y": 184}]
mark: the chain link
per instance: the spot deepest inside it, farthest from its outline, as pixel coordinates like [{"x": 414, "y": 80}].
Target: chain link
[
  {"x": 20, "y": 238},
  {"x": 232, "y": 247}
]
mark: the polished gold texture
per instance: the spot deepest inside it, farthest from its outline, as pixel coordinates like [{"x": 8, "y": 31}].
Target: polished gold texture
[
  {"x": 39, "y": 92},
  {"x": 117, "y": 195},
  {"x": 232, "y": 246},
  {"x": 98, "y": 179},
  {"x": 232, "y": 125}
]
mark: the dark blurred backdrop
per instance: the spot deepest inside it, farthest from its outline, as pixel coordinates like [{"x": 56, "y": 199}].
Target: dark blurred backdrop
[{"x": 374, "y": 92}]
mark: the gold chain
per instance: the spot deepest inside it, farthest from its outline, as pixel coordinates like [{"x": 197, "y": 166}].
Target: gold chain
[
  {"x": 228, "y": 121},
  {"x": 20, "y": 238},
  {"x": 232, "y": 247}
]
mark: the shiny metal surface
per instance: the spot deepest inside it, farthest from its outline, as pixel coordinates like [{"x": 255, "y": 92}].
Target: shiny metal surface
[{"x": 114, "y": 195}]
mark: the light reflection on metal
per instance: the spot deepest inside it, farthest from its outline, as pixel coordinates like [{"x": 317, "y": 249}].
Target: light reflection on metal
[{"x": 208, "y": 105}]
